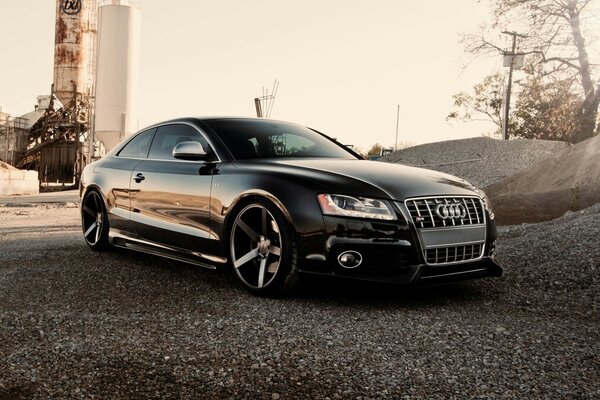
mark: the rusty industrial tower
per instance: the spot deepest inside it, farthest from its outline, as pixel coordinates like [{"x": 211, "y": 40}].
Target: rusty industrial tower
[{"x": 57, "y": 146}]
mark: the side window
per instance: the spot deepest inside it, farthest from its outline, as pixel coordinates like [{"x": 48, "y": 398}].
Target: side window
[
  {"x": 138, "y": 147},
  {"x": 168, "y": 136}
]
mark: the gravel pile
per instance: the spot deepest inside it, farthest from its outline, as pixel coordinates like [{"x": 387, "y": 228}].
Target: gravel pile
[
  {"x": 568, "y": 180},
  {"x": 76, "y": 324},
  {"x": 481, "y": 161}
]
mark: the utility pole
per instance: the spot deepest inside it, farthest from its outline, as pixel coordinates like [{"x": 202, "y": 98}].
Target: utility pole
[
  {"x": 397, "y": 122},
  {"x": 512, "y": 54}
]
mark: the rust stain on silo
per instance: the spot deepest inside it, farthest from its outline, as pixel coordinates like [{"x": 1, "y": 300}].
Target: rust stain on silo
[
  {"x": 61, "y": 31},
  {"x": 67, "y": 57},
  {"x": 73, "y": 48}
]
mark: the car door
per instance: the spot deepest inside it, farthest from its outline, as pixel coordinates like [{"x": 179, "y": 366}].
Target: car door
[
  {"x": 170, "y": 198},
  {"x": 118, "y": 172}
]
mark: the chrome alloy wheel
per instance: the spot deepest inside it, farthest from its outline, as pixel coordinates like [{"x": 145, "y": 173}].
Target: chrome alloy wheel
[
  {"x": 93, "y": 219},
  {"x": 256, "y": 246}
]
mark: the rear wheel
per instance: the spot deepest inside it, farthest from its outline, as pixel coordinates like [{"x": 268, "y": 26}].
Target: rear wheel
[
  {"x": 94, "y": 221},
  {"x": 263, "y": 250}
]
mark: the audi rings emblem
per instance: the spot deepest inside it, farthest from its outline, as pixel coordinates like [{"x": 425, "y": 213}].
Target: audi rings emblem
[{"x": 451, "y": 211}]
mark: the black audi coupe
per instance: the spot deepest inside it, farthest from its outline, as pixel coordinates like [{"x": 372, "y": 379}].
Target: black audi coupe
[{"x": 275, "y": 200}]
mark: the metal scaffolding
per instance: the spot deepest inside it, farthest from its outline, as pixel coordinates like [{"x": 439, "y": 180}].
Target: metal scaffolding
[
  {"x": 13, "y": 138},
  {"x": 56, "y": 145}
]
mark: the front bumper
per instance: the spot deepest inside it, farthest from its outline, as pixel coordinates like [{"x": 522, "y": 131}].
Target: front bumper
[{"x": 391, "y": 252}]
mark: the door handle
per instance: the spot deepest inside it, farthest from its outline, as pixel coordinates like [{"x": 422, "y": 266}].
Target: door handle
[{"x": 139, "y": 177}]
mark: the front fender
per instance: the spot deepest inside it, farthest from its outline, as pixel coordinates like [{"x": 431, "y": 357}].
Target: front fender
[{"x": 297, "y": 203}]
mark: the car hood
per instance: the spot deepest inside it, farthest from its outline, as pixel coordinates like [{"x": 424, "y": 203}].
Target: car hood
[{"x": 350, "y": 176}]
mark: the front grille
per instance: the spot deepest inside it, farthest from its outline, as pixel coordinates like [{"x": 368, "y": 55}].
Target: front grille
[
  {"x": 444, "y": 255},
  {"x": 457, "y": 239},
  {"x": 423, "y": 212}
]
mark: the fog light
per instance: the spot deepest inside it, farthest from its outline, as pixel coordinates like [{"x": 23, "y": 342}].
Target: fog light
[{"x": 350, "y": 259}]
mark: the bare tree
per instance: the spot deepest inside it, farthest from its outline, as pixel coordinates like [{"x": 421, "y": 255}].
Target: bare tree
[
  {"x": 555, "y": 30},
  {"x": 375, "y": 149},
  {"x": 484, "y": 103},
  {"x": 546, "y": 108}
]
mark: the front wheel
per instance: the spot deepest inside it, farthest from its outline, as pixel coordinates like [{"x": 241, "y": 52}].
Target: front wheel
[
  {"x": 94, "y": 221},
  {"x": 263, "y": 250}
]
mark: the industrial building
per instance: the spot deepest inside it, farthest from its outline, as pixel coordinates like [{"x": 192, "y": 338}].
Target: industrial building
[
  {"x": 13, "y": 138},
  {"x": 93, "y": 97}
]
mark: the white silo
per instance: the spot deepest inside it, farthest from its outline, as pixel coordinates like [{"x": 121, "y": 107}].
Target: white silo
[{"x": 117, "y": 72}]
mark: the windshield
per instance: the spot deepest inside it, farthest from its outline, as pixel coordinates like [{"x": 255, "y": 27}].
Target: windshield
[{"x": 251, "y": 139}]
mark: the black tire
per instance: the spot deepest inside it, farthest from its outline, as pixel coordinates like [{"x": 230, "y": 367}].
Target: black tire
[
  {"x": 262, "y": 249},
  {"x": 94, "y": 221}
]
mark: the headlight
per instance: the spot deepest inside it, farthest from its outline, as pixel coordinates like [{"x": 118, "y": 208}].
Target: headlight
[{"x": 355, "y": 206}]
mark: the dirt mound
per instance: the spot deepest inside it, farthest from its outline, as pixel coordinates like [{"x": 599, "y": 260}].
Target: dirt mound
[
  {"x": 6, "y": 167},
  {"x": 481, "y": 161},
  {"x": 569, "y": 180}
]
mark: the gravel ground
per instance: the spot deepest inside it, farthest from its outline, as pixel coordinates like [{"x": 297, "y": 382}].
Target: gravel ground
[
  {"x": 76, "y": 324},
  {"x": 481, "y": 161},
  {"x": 31, "y": 217}
]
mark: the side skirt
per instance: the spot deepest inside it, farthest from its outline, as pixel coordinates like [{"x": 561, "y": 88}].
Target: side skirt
[{"x": 126, "y": 241}]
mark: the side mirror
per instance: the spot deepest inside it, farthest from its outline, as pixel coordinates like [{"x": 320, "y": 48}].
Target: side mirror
[{"x": 189, "y": 151}]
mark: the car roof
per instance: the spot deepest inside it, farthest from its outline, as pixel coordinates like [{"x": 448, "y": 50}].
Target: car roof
[{"x": 222, "y": 118}]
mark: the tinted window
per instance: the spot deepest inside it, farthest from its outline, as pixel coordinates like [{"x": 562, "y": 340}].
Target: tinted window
[
  {"x": 168, "y": 136},
  {"x": 138, "y": 146},
  {"x": 272, "y": 139}
]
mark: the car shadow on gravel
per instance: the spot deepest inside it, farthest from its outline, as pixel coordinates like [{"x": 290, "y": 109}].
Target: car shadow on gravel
[
  {"x": 218, "y": 279},
  {"x": 220, "y": 284},
  {"x": 353, "y": 293},
  {"x": 343, "y": 292},
  {"x": 16, "y": 392}
]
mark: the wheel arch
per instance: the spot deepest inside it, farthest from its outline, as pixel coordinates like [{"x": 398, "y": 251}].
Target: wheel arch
[
  {"x": 246, "y": 198},
  {"x": 96, "y": 188},
  {"x": 284, "y": 278}
]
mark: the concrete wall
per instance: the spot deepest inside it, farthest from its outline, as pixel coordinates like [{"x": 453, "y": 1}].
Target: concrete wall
[{"x": 15, "y": 181}]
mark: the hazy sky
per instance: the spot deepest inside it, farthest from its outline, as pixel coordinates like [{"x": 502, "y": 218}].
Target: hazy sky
[{"x": 343, "y": 65}]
